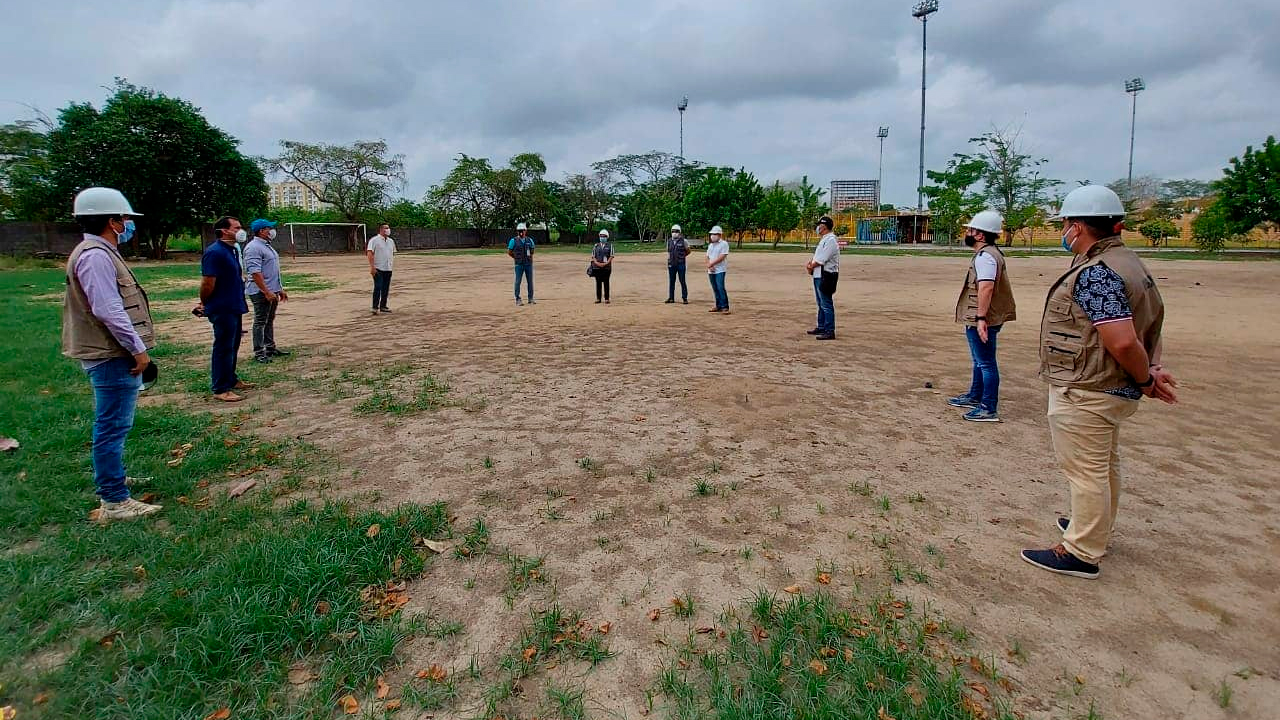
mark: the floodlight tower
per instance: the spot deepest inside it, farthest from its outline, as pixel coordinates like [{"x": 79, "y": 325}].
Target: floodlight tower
[
  {"x": 682, "y": 106},
  {"x": 882, "y": 133},
  {"x": 1133, "y": 87},
  {"x": 923, "y": 10}
]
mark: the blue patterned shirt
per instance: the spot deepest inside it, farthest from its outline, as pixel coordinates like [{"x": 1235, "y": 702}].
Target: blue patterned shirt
[{"x": 1099, "y": 291}]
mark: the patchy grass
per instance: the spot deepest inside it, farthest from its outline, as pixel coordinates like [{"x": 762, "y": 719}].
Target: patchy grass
[{"x": 817, "y": 657}]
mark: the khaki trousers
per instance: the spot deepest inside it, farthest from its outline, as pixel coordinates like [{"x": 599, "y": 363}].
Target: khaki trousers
[{"x": 1085, "y": 427}]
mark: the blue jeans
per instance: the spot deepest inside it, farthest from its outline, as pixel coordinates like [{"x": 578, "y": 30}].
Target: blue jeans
[
  {"x": 526, "y": 270},
  {"x": 717, "y": 288},
  {"x": 985, "y": 387},
  {"x": 381, "y": 288},
  {"x": 673, "y": 272},
  {"x": 115, "y": 395},
  {"x": 826, "y": 309},
  {"x": 226, "y": 346}
]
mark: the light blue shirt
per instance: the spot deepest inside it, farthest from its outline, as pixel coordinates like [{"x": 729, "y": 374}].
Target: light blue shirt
[{"x": 260, "y": 257}]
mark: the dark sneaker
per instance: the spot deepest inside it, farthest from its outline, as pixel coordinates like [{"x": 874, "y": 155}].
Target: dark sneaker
[
  {"x": 1057, "y": 560},
  {"x": 814, "y": 331},
  {"x": 532, "y": 301},
  {"x": 518, "y": 303},
  {"x": 670, "y": 300},
  {"x": 825, "y": 336},
  {"x": 385, "y": 310},
  {"x": 1063, "y": 523},
  {"x": 685, "y": 301},
  {"x": 277, "y": 352},
  {"x": 375, "y": 311},
  {"x": 963, "y": 401},
  {"x": 714, "y": 310},
  {"x": 598, "y": 302},
  {"x": 264, "y": 359},
  {"x": 981, "y": 414}
]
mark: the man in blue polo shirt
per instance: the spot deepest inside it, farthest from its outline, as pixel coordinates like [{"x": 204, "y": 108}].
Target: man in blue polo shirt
[{"x": 222, "y": 302}]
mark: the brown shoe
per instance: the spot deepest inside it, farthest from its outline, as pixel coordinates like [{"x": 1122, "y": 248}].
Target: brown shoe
[
  {"x": 228, "y": 396},
  {"x": 242, "y": 385}
]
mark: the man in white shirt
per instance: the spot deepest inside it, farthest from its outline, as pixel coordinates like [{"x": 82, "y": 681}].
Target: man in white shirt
[
  {"x": 825, "y": 269},
  {"x": 381, "y": 252},
  {"x": 717, "y": 265}
]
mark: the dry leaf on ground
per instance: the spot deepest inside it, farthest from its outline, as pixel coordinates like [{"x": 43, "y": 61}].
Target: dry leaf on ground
[
  {"x": 109, "y": 639},
  {"x": 8, "y": 712},
  {"x": 605, "y": 628},
  {"x": 373, "y": 530},
  {"x": 221, "y": 713},
  {"x": 818, "y": 667},
  {"x": 435, "y": 673},
  {"x": 383, "y": 688},
  {"x": 323, "y": 607},
  {"x": 824, "y": 578},
  {"x": 528, "y": 653},
  {"x": 758, "y": 633},
  {"x": 435, "y": 546},
  {"x": 40, "y": 699},
  {"x": 882, "y": 715},
  {"x": 792, "y": 589},
  {"x": 654, "y": 614},
  {"x": 349, "y": 704},
  {"x": 392, "y": 705},
  {"x": 705, "y": 630}
]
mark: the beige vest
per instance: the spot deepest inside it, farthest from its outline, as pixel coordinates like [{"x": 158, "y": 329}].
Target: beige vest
[
  {"x": 1002, "y": 308},
  {"x": 1071, "y": 350},
  {"x": 85, "y": 337}
]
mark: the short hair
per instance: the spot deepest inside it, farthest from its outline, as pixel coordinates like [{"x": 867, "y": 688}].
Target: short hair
[
  {"x": 384, "y": 225},
  {"x": 224, "y": 222},
  {"x": 95, "y": 224},
  {"x": 989, "y": 238},
  {"x": 1103, "y": 227}
]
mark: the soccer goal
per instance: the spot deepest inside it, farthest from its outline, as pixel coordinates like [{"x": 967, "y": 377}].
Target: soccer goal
[{"x": 293, "y": 237}]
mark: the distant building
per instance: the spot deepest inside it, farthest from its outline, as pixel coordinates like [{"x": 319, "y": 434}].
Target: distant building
[
  {"x": 292, "y": 193},
  {"x": 846, "y": 194}
]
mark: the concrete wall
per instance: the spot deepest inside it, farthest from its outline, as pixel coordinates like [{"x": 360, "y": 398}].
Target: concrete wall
[
  {"x": 38, "y": 238},
  {"x": 320, "y": 239}
]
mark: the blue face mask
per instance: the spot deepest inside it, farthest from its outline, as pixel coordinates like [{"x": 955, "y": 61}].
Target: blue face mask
[
  {"x": 1066, "y": 245},
  {"x": 127, "y": 235}
]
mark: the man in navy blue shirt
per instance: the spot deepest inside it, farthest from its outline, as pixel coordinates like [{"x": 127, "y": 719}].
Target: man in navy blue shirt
[{"x": 222, "y": 302}]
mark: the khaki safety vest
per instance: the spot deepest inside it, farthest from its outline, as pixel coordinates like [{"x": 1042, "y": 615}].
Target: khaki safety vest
[
  {"x": 85, "y": 337},
  {"x": 1002, "y": 308},
  {"x": 1071, "y": 350}
]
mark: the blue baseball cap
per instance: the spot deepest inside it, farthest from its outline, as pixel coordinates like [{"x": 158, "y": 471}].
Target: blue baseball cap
[{"x": 259, "y": 224}]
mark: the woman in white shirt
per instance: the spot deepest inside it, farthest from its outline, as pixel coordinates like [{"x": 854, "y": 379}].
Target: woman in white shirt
[{"x": 717, "y": 264}]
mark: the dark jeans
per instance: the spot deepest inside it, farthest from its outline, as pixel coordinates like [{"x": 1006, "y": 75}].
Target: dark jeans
[
  {"x": 826, "y": 309},
  {"x": 717, "y": 288},
  {"x": 673, "y": 272},
  {"x": 602, "y": 281},
  {"x": 264, "y": 324},
  {"x": 985, "y": 387},
  {"x": 115, "y": 395},
  {"x": 226, "y": 346},
  {"x": 525, "y": 270},
  {"x": 381, "y": 288}
]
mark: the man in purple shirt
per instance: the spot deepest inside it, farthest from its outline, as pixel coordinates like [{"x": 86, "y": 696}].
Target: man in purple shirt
[{"x": 107, "y": 326}]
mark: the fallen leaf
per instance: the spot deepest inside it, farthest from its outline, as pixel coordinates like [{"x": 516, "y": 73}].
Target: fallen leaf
[
  {"x": 758, "y": 633},
  {"x": 930, "y": 627},
  {"x": 174, "y": 462},
  {"x": 980, "y": 689},
  {"x": 435, "y": 673},
  {"x": 605, "y": 628},
  {"x": 343, "y": 636},
  {"x": 140, "y": 572},
  {"x": 323, "y": 607},
  {"x": 242, "y": 488},
  {"x": 202, "y": 484},
  {"x": 109, "y": 639},
  {"x": 1079, "y": 679},
  {"x": 639, "y": 418},
  {"x": 187, "y": 446},
  {"x": 392, "y": 705},
  {"x": 848, "y": 655},
  {"x": 972, "y": 706},
  {"x": 882, "y": 715},
  {"x": 677, "y": 603},
  {"x": 786, "y": 661},
  {"x": 818, "y": 667},
  {"x": 40, "y": 699},
  {"x": 899, "y": 615},
  {"x": 827, "y": 652},
  {"x": 435, "y": 546},
  {"x": 149, "y": 497},
  {"x": 654, "y": 614},
  {"x": 95, "y": 514},
  {"x": 383, "y": 688},
  {"x": 230, "y": 442},
  {"x": 824, "y": 578},
  {"x": 792, "y": 589},
  {"x": 300, "y": 674},
  {"x": 529, "y": 653},
  {"x": 221, "y": 713},
  {"x": 373, "y": 530},
  {"x": 349, "y": 704}
]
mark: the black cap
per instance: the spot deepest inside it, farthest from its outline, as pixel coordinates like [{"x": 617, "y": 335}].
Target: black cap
[{"x": 826, "y": 220}]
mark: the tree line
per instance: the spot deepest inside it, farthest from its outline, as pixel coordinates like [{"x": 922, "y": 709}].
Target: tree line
[{"x": 169, "y": 159}]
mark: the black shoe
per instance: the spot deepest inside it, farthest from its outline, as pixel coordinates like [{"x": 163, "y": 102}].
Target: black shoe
[
  {"x": 385, "y": 310},
  {"x": 1063, "y": 523},
  {"x": 264, "y": 359},
  {"x": 825, "y": 336},
  {"x": 814, "y": 331},
  {"x": 598, "y": 302},
  {"x": 1058, "y": 560},
  {"x": 276, "y": 352},
  {"x": 670, "y": 300},
  {"x": 685, "y": 301}
]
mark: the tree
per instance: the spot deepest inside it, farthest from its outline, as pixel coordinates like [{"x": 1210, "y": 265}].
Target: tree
[
  {"x": 580, "y": 203},
  {"x": 1249, "y": 190},
  {"x": 779, "y": 212},
  {"x": 24, "y": 159},
  {"x": 468, "y": 193},
  {"x": 809, "y": 200},
  {"x": 175, "y": 168},
  {"x": 355, "y": 179},
  {"x": 1184, "y": 189},
  {"x": 747, "y": 196},
  {"x": 643, "y": 187},
  {"x": 951, "y": 197},
  {"x": 1155, "y": 230},
  {"x": 1212, "y": 228},
  {"x": 1012, "y": 180}
]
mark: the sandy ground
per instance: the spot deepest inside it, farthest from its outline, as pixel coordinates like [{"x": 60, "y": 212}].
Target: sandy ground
[{"x": 660, "y": 396}]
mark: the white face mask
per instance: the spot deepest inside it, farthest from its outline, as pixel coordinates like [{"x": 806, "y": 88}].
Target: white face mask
[
  {"x": 271, "y": 234},
  {"x": 241, "y": 235}
]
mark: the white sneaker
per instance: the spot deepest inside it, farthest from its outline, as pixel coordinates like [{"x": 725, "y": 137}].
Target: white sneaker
[{"x": 126, "y": 510}]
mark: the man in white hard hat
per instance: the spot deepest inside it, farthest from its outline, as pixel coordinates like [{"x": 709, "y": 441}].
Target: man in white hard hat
[
  {"x": 380, "y": 251},
  {"x": 602, "y": 265},
  {"x": 107, "y": 326},
  {"x": 1100, "y": 354},
  {"x": 717, "y": 268},
  {"x": 520, "y": 248},
  {"x": 825, "y": 269},
  {"x": 677, "y": 250},
  {"x": 984, "y": 306}
]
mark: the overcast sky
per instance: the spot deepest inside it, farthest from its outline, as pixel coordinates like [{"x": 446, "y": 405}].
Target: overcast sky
[{"x": 782, "y": 88}]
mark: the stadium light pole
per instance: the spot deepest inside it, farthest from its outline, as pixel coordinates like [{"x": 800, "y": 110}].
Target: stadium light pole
[
  {"x": 1133, "y": 87},
  {"x": 882, "y": 133},
  {"x": 922, "y": 10},
  {"x": 682, "y": 106}
]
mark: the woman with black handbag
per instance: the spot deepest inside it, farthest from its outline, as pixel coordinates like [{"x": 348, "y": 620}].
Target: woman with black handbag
[{"x": 602, "y": 266}]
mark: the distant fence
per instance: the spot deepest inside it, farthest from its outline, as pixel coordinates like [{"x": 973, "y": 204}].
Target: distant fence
[
  {"x": 327, "y": 239},
  {"x": 39, "y": 238}
]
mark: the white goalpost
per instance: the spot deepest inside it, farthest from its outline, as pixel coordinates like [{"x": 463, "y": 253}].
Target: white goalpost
[{"x": 293, "y": 248}]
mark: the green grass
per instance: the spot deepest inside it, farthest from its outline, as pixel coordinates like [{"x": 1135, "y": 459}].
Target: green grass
[
  {"x": 430, "y": 393},
  {"x": 205, "y": 605},
  {"x": 552, "y": 635},
  {"x": 816, "y": 657}
]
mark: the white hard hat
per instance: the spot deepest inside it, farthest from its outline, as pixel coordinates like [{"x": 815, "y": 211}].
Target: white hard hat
[
  {"x": 604, "y": 233},
  {"x": 521, "y": 226},
  {"x": 987, "y": 221},
  {"x": 716, "y": 230},
  {"x": 676, "y": 228},
  {"x": 1091, "y": 201},
  {"x": 102, "y": 201}
]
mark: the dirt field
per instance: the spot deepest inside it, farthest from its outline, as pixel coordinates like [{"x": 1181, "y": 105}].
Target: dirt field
[{"x": 801, "y": 440}]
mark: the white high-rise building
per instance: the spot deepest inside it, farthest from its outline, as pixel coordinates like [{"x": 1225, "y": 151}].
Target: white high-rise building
[{"x": 292, "y": 193}]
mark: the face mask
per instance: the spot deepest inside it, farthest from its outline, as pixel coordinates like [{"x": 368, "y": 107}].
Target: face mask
[
  {"x": 271, "y": 234},
  {"x": 970, "y": 240},
  {"x": 127, "y": 235},
  {"x": 1066, "y": 245},
  {"x": 241, "y": 235}
]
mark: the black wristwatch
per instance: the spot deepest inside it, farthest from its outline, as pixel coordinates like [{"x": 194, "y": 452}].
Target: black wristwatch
[
  {"x": 981, "y": 317},
  {"x": 1151, "y": 380}
]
